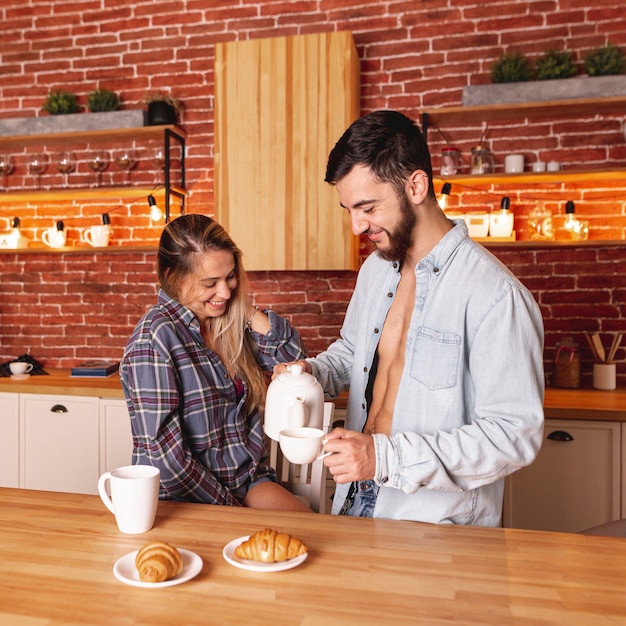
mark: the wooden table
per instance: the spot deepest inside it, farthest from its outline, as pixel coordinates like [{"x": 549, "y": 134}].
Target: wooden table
[{"x": 57, "y": 553}]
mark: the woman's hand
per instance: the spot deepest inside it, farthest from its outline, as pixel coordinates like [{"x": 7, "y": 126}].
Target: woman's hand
[{"x": 283, "y": 367}]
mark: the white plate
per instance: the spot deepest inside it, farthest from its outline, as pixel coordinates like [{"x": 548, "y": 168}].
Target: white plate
[
  {"x": 257, "y": 566},
  {"x": 20, "y": 376},
  {"x": 125, "y": 570}
]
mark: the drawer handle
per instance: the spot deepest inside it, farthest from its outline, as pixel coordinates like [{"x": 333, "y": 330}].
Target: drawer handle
[
  {"x": 58, "y": 408},
  {"x": 560, "y": 435}
]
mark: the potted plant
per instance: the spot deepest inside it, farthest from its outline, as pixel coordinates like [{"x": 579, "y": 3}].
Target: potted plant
[
  {"x": 606, "y": 61},
  {"x": 61, "y": 103},
  {"x": 103, "y": 100},
  {"x": 511, "y": 67},
  {"x": 162, "y": 108},
  {"x": 555, "y": 64}
]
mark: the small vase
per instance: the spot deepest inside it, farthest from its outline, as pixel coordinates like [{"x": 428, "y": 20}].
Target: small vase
[{"x": 161, "y": 113}]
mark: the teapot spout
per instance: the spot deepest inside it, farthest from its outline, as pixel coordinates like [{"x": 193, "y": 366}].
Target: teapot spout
[{"x": 298, "y": 413}]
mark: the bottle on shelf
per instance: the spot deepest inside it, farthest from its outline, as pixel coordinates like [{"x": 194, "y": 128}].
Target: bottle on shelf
[{"x": 501, "y": 222}]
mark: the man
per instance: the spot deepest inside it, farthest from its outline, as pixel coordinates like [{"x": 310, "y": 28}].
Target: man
[{"x": 441, "y": 347}]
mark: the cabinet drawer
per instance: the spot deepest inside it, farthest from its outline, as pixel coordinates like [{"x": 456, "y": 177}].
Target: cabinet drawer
[
  {"x": 573, "y": 484},
  {"x": 59, "y": 443}
]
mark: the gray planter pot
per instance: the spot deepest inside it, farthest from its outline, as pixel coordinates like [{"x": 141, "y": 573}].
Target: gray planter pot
[
  {"x": 75, "y": 122},
  {"x": 537, "y": 91}
]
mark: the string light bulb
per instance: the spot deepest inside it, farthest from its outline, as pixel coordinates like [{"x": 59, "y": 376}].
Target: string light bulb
[
  {"x": 444, "y": 196},
  {"x": 155, "y": 212}
]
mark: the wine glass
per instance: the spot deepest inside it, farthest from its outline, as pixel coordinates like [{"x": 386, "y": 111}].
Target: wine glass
[
  {"x": 64, "y": 162},
  {"x": 126, "y": 159},
  {"x": 6, "y": 167},
  {"x": 159, "y": 163},
  {"x": 98, "y": 161},
  {"x": 37, "y": 165}
]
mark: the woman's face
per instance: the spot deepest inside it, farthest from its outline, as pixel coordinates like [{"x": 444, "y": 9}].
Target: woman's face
[{"x": 206, "y": 291}]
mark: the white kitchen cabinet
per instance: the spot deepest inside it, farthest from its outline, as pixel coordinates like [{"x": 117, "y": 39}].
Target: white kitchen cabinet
[
  {"x": 574, "y": 483},
  {"x": 59, "y": 448},
  {"x": 9, "y": 441},
  {"x": 116, "y": 441}
]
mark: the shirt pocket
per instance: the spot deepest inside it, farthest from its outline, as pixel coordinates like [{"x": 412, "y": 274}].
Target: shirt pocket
[{"x": 435, "y": 359}]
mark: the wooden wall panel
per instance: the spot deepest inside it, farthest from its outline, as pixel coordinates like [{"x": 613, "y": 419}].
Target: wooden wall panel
[{"x": 280, "y": 106}]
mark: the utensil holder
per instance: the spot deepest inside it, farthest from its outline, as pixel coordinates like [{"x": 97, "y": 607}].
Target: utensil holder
[{"x": 604, "y": 376}]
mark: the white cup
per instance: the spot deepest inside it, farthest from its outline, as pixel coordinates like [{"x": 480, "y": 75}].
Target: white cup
[
  {"x": 134, "y": 496},
  {"x": 539, "y": 166},
  {"x": 97, "y": 236},
  {"x": 604, "y": 376},
  {"x": 301, "y": 445},
  {"x": 514, "y": 163},
  {"x": 20, "y": 367},
  {"x": 554, "y": 166},
  {"x": 54, "y": 238}
]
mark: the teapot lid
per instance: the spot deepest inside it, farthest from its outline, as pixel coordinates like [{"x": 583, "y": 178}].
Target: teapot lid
[{"x": 296, "y": 376}]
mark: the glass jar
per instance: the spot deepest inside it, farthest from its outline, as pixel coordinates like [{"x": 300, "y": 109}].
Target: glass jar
[
  {"x": 482, "y": 161},
  {"x": 567, "y": 364}
]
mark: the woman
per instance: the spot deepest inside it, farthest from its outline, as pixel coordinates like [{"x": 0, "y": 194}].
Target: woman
[{"x": 193, "y": 374}]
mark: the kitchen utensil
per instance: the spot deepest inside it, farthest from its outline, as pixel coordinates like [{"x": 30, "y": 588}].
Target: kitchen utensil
[
  {"x": 597, "y": 342},
  {"x": 294, "y": 399},
  {"x": 617, "y": 340}
]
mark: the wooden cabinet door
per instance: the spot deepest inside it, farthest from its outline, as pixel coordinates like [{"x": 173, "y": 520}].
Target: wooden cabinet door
[
  {"x": 574, "y": 484},
  {"x": 59, "y": 443},
  {"x": 116, "y": 441},
  {"x": 281, "y": 104},
  {"x": 9, "y": 442}
]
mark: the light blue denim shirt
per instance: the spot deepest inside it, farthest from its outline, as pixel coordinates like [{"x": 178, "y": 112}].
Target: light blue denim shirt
[{"x": 469, "y": 409}]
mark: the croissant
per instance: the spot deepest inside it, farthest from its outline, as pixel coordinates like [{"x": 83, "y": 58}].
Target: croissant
[
  {"x": 158, "y": 561},
  {"x": 269, "y": 546}
]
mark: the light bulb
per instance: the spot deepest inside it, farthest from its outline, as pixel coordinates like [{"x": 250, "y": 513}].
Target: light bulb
[
  {"x": 155, "y": 213},
  {"x": 444, "y": 196}
]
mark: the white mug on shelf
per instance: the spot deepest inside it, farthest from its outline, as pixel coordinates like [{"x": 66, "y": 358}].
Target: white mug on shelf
[
  {"x": 134, "y": 496},
  {"x": 19, "y": 368},
  {"x": 54, "y": 238},
  {"x": 97, "y": 236}
]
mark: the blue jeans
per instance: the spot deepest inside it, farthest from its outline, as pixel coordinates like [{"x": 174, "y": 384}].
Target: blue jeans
[{"x": 361, "y": 499}]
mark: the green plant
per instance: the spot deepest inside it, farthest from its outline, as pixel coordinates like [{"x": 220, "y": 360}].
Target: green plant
[
  {"x": 61, "y": 103},
  {"x": 102, "y": 100},
  {"x": 159, "y": 96},
  {"x": 511, "y": 67},
  {"x": 555, "y": 64},
  {"x": 605, "y": 61}
]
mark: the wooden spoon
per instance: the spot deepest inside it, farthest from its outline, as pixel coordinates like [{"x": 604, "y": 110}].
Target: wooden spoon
[
  {"x": 614, "y": 347},
  {"x": 597, "y": 342}
]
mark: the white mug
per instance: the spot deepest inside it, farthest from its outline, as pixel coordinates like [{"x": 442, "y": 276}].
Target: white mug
[
  {"x": 54, "y": 238},
  {"x": 97, "y": 236},
  {"x": 514, "y": 163},
  {"x": 134, "y": 496},
  {"x": 301, "y": 445},
  {"x": 20, "y": 367}
]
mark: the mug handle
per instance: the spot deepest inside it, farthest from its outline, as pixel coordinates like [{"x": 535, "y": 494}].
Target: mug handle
[
  {"x": 45, "y": 238},
  {"x": 104, "y": 496},
  {"x": 29, "y": 368},
  {"x": 87, "y": 237}
]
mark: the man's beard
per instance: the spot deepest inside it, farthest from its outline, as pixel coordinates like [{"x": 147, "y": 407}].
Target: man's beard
[{"x": 400, "y": 238}]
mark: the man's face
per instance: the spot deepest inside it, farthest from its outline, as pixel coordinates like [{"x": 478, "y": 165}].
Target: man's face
[{"x": 376, "y": 211}]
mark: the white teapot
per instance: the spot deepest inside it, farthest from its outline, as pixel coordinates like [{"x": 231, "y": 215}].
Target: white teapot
[{"x": 294, "y": 399}]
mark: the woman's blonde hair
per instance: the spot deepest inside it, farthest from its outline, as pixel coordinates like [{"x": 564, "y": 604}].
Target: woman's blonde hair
[{"x": 183, "y": 240}]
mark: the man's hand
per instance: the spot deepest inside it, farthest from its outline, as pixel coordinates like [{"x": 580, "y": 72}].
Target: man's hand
[{"x": 354, "y": 455}]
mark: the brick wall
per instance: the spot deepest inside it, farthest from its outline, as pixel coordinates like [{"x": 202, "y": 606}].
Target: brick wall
[{"x": 413, "y": 55}]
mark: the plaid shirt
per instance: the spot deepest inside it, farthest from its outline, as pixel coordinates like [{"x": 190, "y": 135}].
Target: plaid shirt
[{"x": 187, "y": 415}]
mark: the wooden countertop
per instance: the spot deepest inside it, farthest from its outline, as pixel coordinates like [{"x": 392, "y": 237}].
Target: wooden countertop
[
  {"x": 59, "y": 382},
  {"x": 559, "y": 403},
  {"x": 58, "y": 552}
]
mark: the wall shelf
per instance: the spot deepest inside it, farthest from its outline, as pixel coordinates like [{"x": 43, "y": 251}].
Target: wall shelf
[
  {"x": 166, "y": 133},
  {"x": 562, "y": 176},
  {"x": 530, "y": 111}
]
